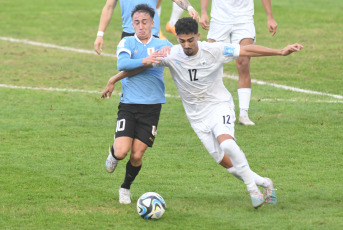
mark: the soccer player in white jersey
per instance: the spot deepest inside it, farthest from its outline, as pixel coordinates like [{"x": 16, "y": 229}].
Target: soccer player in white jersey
[
  {"x": 232, "y": 21},
  {"x": 197, "y": 70}
]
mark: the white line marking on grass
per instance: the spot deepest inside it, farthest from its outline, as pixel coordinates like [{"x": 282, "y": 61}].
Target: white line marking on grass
[
  {"x": 225, "y": 75},
  {"x": 55, "y": 46},
  {"x": 288, "y": 87},
  {"x": 64, "y": 90},
  {"x": 275, "y": 100}
]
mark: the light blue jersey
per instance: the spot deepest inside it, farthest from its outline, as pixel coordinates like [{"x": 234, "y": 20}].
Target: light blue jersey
[
  {"x": 146, "y": 87},
  {"x": 127, "y": 6}
]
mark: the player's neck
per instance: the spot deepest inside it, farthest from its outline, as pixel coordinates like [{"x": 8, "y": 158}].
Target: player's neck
[{"x": 145, "y": 39}]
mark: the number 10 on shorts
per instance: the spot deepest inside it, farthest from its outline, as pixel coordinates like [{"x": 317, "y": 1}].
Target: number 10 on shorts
[{"x": 120, "y": 125}]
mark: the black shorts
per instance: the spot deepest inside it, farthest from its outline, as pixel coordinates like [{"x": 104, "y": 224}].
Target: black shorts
[
  {"x": 138, "y": 121},
  {"x": 124, "y": 34}
]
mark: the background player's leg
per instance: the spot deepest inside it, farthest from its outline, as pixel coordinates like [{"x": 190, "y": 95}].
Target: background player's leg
[
  {"x": 175, "y": 15},
  {"x": 244, "y": 85}
]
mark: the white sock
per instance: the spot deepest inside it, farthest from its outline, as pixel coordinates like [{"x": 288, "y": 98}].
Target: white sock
[
  {"x": 244, "y": 95},
  {"x": 240, "y": 162},
  {"x": 176, "y": 14},
  {"x": 260, "y": 181},
  {"x": 159, "y": 9}
]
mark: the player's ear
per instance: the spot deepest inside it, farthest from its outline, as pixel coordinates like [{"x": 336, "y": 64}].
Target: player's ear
[{"x": 198, "y": 36}]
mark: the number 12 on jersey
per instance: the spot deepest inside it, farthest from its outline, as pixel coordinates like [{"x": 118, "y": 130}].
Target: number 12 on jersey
[{"x": 193, "y": 74}]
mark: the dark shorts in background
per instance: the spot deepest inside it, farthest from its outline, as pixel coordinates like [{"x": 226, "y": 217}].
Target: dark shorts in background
[
  {"x": 138, "y": 121},
  {"x": 124, "y": 34}
]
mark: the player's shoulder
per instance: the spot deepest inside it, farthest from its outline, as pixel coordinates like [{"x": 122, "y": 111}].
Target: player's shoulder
[{"x": 126, "y": 41}]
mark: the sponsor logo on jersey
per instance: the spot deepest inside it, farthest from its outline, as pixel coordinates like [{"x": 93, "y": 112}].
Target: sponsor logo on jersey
[{"x": 228, "y": 51}]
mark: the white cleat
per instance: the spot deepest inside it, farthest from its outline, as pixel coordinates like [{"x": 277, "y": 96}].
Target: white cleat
[
  {"x": 257, "y": 199},
  {"x": 111, "y": 162},
  {"x": 124, "y": 196},
  {"x": 269, "y": 193},
  {"x": 244, "y": 120}
]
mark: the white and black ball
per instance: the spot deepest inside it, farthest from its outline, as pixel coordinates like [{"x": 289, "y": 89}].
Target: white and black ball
[{"x": 151, "y": 206}]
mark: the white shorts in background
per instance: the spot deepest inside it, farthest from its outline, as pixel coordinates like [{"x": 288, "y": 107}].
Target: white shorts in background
[
  {"x": 231, "y": 33},
  {"x": 221, "y": 121}
]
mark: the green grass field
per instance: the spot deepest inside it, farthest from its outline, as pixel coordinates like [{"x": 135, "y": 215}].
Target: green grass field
[{"x": 53, "y": 144}]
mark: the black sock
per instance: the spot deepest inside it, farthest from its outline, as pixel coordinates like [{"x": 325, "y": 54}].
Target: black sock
[
  {"x": 130, "y": 175},
  {"x": 112, "y": 152}
]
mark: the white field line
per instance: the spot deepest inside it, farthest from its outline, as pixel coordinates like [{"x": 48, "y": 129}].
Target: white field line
[
  {"x": 54, "y": 46},
  {"x": 63, "y": 90},
  {"x": 306, "y": 91},
  {"x": 271, "y": 100},
  {"x": 288, "y": 87}
]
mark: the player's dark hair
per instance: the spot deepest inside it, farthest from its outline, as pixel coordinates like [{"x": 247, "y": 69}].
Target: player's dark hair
[
  {"x": 144, "y": 8},
  {"x": 186, "y": 26}
]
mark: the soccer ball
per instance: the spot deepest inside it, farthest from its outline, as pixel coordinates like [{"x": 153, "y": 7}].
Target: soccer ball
[{"x": 151, "y": 206}]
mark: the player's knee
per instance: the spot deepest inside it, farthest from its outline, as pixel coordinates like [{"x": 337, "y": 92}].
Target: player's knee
[
  {"x": 228, "y": 146},
  {"x": 136, "y": 158},
  {"x": 243, "y": 63},
  {"x": 120, "y": 152}
]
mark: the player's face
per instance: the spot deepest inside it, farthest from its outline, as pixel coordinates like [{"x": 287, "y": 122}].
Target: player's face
[
  {"x": 142, "y": 24},
  {"x": 189, "y": 43}
]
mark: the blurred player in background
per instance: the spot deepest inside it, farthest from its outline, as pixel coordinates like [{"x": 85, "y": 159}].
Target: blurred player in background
[
  {"x": 232, "y": 21},
  {"x": 176, "y": 13},
  {"x": 126, "y": 7}
]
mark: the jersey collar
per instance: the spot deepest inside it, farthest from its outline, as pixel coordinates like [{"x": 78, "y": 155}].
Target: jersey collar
[{"x": 142, "y": 42}]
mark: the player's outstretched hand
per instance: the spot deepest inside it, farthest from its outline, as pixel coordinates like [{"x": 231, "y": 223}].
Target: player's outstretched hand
[
  {"x": 204, "y": 22},
  {"x": 290, "y": 49},
  {"x": 107, "y": 92},
  {"x": 194, "y": 14},
  {"x": 99, "y": 42},
  {"x": 155, "y": 57},
  {"x": 165, "y": 51}
]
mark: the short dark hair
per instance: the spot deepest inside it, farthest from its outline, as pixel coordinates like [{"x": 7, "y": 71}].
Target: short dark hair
[
  {"x": 143, "y": 8},
  {"x": 186, "y": 26}
]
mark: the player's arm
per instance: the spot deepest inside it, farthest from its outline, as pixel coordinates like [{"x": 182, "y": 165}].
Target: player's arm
[
  {"x": 105, "y": 19},
  {"x": 258, "y": 51},
  {"x": 271, "y": 23},
  {"x": 126, "y": 63},
  {"x": 204, "y": 21},
  {"x": 107, "y": 92},
  {"x": 184, "y": 4}
]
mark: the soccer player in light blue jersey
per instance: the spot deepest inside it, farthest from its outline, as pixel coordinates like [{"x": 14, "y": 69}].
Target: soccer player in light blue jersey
[
  {"x": 141, "y": 99},
  {"x": 126, "y": 9}
]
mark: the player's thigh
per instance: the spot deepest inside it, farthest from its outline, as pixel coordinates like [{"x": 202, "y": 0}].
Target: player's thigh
[
  {"x": 209, "y": 141},
  {"x": 223, "y": 120},
  {"x": 122, "y": 145},
  {"x": 219, "y": 32},
  {"x": 126, "y": 122},
  {"x": 147, "y": 122},
  {"x": 243, "y": 34}
]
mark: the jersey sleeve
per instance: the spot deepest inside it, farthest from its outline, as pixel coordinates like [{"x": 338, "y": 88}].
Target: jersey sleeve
[{"x": 124, "y": 46}]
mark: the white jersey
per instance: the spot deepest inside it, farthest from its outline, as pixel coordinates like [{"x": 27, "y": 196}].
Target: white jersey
[
  {"x": 198, "y": 78},
  {"x": 232, "y": 11}
]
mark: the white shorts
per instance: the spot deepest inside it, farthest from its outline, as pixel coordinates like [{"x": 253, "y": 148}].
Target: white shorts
[
  {"x": 221, "y": 121},
  {"x": 231, "y": 33}
]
